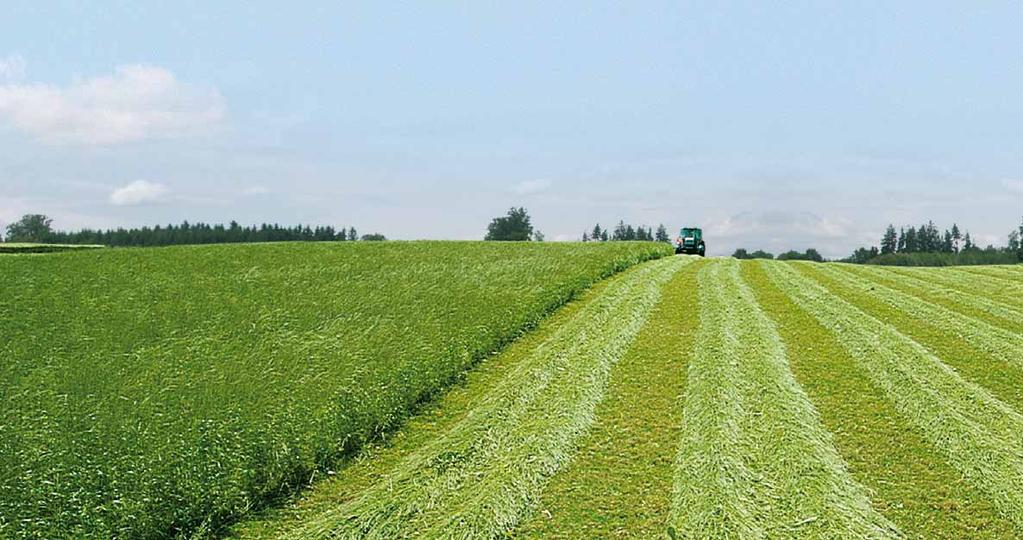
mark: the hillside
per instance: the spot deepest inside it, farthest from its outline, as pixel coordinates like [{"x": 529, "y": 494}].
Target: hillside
[{"x": 157, "y": 392}]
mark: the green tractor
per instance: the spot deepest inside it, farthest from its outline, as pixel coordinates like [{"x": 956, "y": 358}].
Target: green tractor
[{"x": 690, "y": 241}]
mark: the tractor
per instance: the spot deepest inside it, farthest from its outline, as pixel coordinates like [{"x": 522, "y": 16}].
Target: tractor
[{"x": 690, "y": 241}]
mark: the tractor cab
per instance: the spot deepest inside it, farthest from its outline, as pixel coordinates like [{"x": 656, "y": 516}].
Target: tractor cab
[{"x": 690, "y": 241}]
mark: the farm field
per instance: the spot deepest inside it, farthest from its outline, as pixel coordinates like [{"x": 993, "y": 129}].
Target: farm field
[
  {"x": 756, "y": 399},
  {"x": 182, "y": 388},
  {"x": 12, "y": 247},
  {"x": 165, "y": 392}
]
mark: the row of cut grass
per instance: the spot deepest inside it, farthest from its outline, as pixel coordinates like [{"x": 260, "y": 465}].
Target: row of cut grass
[
  {"x": 997, "y": 342},
  {"x": 993, "y": 312},
  {"x": 984, "y": 287},
  {"x": 619, "y": 483},
  {"x": 1002, "y": 378},
  {"x": 754, "y": 459},
  {"x": 910, "y": 481},
  {"x": 165, "y": 392},
  {"x": 977, "y": 433},
  {"x": 379, "y": 458},
  {"x": 479, "y": 478}
]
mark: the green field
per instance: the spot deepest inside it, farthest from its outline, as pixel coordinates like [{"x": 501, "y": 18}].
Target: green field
[
  {"x": 14, "y": 247},
  {"x": 156, "y": 393}
]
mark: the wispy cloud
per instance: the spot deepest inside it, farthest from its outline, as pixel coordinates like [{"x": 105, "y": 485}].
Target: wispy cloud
[
  {"x": 1015, "y": 186},
  {"x": 138, "y": 192},
  {"x": 12, "y": 67},
  {"x": 529, "y": 187},
  {"x": 256, "y": 190},
  {"x": 137, "y": 102}
]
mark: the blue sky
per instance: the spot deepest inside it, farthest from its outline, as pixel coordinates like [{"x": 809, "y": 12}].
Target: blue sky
[{"x": 773, "y": 125}]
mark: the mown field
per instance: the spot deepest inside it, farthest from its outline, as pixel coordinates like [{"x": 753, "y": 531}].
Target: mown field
[
  {"x": 164, "y": 392},
  {"x": 754, "y": 399},
  {"x": 158, "y": 393}
]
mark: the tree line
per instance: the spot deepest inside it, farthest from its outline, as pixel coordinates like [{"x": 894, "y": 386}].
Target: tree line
[
  {"x": 626, "y": 232},
  {"x": 810, "y": 254},
  {"x": 37, "y": 228},
  {"x": 927, "y": 245}
]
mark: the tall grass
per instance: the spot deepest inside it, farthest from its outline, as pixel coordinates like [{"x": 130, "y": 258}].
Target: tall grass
[
  {"x": 164, "y": 392},
  {"x": 477, "y": 479}
]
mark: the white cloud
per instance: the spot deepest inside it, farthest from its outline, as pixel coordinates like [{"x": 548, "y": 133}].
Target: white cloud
[
  {"x": 256, "y": 190},
  {"x": 1015, "y": 186},
  {"x": 529, "y": 187},
  {"x": 12, "y": 67},
  {"x": 136, "y": 103},
  {"x": 138, "y": 192}
]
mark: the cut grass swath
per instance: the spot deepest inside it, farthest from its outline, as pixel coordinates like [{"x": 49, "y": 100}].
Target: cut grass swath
[
  {"x": 910, "y": 480},
  {"x": 991, "y": 311},
  {"x": 968, "y": 283},
  {"x": 479, "y": 478},
  {"x": 619, "y": 482},
  {"x": 998, "y": 342},
  {"x": 1003, "y": 379},
  {"x": 977, "y": 433},
  {"x": 754, "y": 460}
]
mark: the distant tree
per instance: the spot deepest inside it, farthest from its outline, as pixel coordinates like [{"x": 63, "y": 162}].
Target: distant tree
[
  {"x": 538, "y": 236},
  {"x": 30, "y": 228},
  {"x": 947, "y": 244},
  {"x": 890, "y": 241},
  {"x": 741, "y": 253},
  {"x": 586, "y": 236},
  {"x": 810, "y": 254},
  {"x": 863, "y": 255},
  {"x": 375, "y": 237},
  {"x": 901, "y": 247},
  {"x": 603, "y": 235},
  {"x": 1014, "y": 241},
  {"x": 911, "y": 241},
  {"x": 353, "y": 234},
  {"x": 597, "y": 233},
  {"x": 630, "y": 233},
  {"x": 968, "y": 242},
  {"x": 511, "y": 227},
  {"x": 761, "y": 254},
  {"x": 957, "y": 238},
  {"x": 662, "y": 234},
  {"x": 342, "y": 235}
]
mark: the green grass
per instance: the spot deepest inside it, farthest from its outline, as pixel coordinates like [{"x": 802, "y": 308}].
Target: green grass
[
  {"x": 157, "y": 393},
  {"x": 910, "y": 481},
  {"x": 619, "y": 483},
  {"x": 13, "y": 247},
  {"x": 754, "y": 459},
  {"x": 480, "y": 477},
  {"x": 977, "y": 433}
]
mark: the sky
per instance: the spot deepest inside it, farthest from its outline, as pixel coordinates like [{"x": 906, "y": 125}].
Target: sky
[{"x": 773, "y": 125}]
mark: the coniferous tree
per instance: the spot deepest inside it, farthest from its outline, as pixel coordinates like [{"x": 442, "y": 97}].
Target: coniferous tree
[
  {"x": 586, "y": 236},
  {"x": 662, "y": 234},
  {"x": 957, "y": 238},
  {"x": 889, "y": 242},
  {"x": 597, "y": 233}
]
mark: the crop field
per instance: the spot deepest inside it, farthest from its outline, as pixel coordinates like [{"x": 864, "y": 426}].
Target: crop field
[
  {"x": 680, "y": 398},
  {"x": 12, "y": 247},
  {"x": 165, "y": 392}
]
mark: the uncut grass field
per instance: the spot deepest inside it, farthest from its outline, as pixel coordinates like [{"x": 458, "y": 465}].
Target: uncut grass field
[
  {"x": 528, "y": 391},
  {"x": 153, "y": 393}
]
